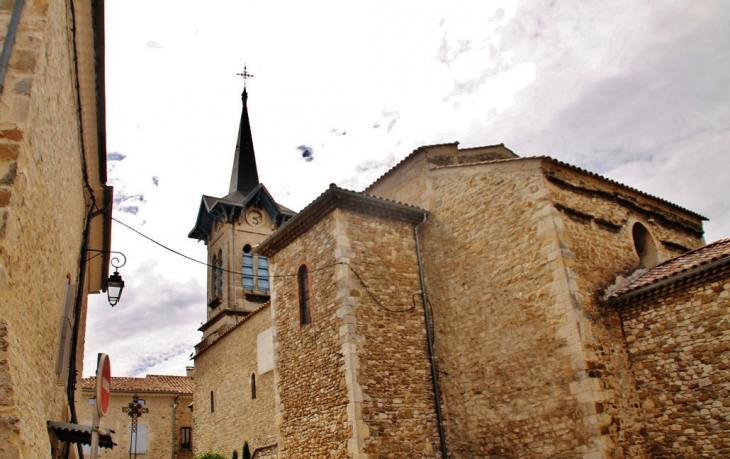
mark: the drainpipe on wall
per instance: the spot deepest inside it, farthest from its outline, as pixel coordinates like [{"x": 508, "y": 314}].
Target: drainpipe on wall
[
  {"x": 174, "y": 424},
  {"x": 429, "y": 338},
  {"x": 9, "y": 41},
  {"x": 80, "y": 294}
]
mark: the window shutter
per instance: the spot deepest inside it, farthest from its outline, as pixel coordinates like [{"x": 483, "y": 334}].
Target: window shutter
[
  {"x": 247, "y": 271},
  {"x": 66, "y": 329},
  {"x": 263, "y": 273},
  {"x": 141, "y": 443}
]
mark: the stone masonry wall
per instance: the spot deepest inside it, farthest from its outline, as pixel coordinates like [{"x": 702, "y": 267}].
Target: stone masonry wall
[
  {"x": 394, "y": 374},
  {"x": 355, "y": 382},
  {"x": 530, "y": 366},
  {"x": 225, "y": 369},
  {"x": 679, "y": 345},
  {"x": 311, "y": 391},
  {"x": 503, "y": 338},
  {"x": 42, "y": 212},
  {"x": 159, "y": 422},
  {"x": 597, "y": 244}
]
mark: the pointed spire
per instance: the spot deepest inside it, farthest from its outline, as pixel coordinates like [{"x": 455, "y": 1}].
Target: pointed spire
[{"x": 244, "y": 176}]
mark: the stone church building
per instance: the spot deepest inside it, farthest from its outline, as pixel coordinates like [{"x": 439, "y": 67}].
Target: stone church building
[{"x": 469, "y": 303}]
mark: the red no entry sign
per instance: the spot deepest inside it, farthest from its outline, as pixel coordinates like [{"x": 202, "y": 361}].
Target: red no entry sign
[{"x": 103, "y": 384}]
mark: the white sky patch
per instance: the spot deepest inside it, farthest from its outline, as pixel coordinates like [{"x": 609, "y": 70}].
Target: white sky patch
[{"x": 635, "y": 91}]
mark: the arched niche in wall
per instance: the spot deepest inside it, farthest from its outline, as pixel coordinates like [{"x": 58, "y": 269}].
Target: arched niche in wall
[{"x": 645, "y": 246}]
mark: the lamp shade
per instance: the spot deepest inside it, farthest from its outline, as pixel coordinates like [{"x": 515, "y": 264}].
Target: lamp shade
[{"x": 114, "y": 287}]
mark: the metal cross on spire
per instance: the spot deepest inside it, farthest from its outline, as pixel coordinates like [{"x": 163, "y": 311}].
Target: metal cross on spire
[{"x": 245, "y": 75}]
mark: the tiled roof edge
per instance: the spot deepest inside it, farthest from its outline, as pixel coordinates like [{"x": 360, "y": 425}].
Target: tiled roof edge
[
  {"x": 89, "y": 383},
  {"x": 243, "y": 321},
  {"x": 322, "y": 203},
  {"x": 628, "y": 291}
]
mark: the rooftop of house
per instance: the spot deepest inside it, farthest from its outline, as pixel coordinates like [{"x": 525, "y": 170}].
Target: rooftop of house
[
  {"x": 713, "y": 254},
  {"x": 150, "y": 383}
]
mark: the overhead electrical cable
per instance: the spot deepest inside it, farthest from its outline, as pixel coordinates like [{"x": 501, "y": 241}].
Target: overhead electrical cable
[{"x": 278, "y": 276}]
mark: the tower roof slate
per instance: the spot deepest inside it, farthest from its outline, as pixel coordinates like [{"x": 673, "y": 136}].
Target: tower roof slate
[
  {"x": 245, "y": 188},
  {"x": 244, "y": 176}
]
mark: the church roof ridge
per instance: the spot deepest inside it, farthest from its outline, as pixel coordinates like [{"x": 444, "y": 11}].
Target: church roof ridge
[
  {"x": 408, "y": 157},
  {"x": 575, "y": 168},
  {"x": 330, "y": 199},
  {"x": 622, "y": 185}
]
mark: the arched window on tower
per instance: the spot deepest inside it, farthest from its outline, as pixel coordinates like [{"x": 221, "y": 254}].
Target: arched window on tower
[
  {"x": 305, "y": 315},
  {"x": 247, "y": 268},
  {"x": 218, "y": 275},
  {"x": 255, "y": 270},
  {"x": 213, "y": 264}
]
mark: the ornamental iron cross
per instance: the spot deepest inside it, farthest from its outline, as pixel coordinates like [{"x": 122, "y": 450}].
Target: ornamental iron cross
[{"x": 245, "y": 75}]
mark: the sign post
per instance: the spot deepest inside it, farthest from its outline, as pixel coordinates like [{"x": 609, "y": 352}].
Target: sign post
[{"x": 103, "y": 396}]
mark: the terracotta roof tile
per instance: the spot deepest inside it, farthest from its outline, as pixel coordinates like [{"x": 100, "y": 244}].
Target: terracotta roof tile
[
  {"x": 681, "y": 264},
  {"x": 150, "y": 383}
]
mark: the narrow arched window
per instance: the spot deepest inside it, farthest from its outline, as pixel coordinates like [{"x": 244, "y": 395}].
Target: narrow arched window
[
  {"x": 644, "y": 245},
  {"x": 253, "y": 386},
  {"x": 305, "y": 315},
  {"x": 212, "y": 402},
  {"x": 218, "y": 274},
  {"x": 247, "y": 268}
]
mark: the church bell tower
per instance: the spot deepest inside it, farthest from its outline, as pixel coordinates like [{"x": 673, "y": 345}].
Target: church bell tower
[{"x": 231, "y": 226}]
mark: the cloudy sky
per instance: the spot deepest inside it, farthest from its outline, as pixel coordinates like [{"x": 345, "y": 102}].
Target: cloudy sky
[{"x": 635, "y": 91}]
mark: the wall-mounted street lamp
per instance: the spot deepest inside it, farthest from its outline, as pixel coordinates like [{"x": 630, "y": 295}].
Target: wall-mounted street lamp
[
  {"x": 114, "y": 287},
  {"x": 115, "y": 283}
]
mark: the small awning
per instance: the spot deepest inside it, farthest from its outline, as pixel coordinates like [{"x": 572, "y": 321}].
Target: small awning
[{"x": 76, "y": 433}]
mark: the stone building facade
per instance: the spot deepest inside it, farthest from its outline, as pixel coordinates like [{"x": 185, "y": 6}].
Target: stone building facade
[
  {"x": 234, "y": 396},
  {"x": 676, "y": 319},
  {"x": 533, "y": 365},
  {"x": 163, "y": 432},
  {"x": 458, "y": 308},
  {"x": 52, "y": 192},
  {"x": 365, "y": 387}
]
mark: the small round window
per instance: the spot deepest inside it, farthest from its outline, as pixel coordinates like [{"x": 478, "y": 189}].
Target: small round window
[{"x": 644, "y": 245}]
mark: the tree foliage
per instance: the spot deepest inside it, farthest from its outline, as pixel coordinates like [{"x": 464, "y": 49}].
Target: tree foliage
[
  {"x": 209, "y": 456},
  {"x": 246, "y": 451}
]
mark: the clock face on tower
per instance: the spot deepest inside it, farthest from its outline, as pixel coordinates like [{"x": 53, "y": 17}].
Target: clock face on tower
[{"x": 255, "y": 217}]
